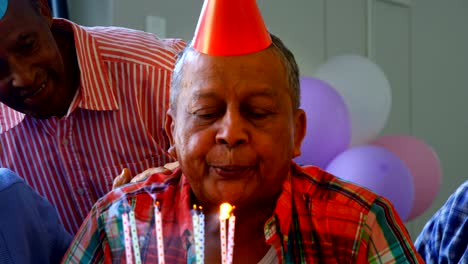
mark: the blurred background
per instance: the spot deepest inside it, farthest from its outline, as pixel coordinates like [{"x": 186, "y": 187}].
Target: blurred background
[{"x": 420, "y": 45}]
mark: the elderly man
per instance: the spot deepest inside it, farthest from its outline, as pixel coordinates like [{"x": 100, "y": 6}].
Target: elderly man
[
  {"x": 235, "y": 126},
  {"x": 79, "y": 104}
]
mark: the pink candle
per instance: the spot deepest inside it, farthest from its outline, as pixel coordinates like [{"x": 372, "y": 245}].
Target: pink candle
[
  {"x": 224, "y": 213},
  {"x": 230, "y": 250},
  {"x": 127, "y": 239},
  {"x": 222, "y": 229},
  {"x": 159, "y": 233}
]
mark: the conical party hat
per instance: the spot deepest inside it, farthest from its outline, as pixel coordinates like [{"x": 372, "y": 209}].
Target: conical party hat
[{"x": 230, "y": 27}]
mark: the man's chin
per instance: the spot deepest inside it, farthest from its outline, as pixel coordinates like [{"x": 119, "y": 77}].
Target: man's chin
[{"x": 38, "y": 114}]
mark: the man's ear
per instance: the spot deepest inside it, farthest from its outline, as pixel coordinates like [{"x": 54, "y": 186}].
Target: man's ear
[
  {"x": 300, "y": 125},
  {"x": 169, "y": 125},
  {"x": 45, "y": 11}
]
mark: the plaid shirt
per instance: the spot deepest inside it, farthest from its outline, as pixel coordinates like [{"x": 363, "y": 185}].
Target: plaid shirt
[
  {"x": 318, "y": 219},
  {"x": 444, "y": 239}
]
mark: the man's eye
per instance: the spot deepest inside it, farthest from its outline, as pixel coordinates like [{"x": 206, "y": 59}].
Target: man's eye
[
  {"x": 27, "y": 46},
  {"x": 258, "y": 113},
  {"x": 207, "y": 115}
]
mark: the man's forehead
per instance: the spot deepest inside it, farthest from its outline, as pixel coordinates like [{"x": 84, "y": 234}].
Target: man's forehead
[{"x": 3, "y": 7}]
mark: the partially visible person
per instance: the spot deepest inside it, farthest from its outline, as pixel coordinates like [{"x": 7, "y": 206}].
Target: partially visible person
[
  {"x": 235, "y": 125},
  {"x": 444, "y": 238},
  {"x": 79, "y": 104},
  {"x": 30, "y": 231}
]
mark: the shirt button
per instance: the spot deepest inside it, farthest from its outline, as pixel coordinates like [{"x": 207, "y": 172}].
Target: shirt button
[
  {"x": 80, "y": 191},
  {"x": 65, "y": 142}
]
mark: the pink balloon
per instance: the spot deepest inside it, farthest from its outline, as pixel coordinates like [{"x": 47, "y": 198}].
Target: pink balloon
[{"x": 424, "y": 165}]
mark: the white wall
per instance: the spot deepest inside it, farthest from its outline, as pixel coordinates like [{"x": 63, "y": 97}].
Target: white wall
[
  {"x": 423, "y": 49},
  {"x": 440, "y": 87}
]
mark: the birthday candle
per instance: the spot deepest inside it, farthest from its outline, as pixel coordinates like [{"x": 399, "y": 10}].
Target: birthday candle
[
  {"x": 159, "y": 233},
  {"x": 133, "y": 230},
  {"x": 198, "y": 221},
  {"x": 195, "y": 226},
  {"x": 201, "y": 238},
  {"x": 230, "y": 250},
  {"x": 127, "y": 239},
  {"x": 224, "y": 211}
]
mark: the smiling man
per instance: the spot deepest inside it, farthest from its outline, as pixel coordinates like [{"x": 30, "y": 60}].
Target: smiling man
[
  {"x": 235, "y": 126},
  {"x": 79, "y": 104}
]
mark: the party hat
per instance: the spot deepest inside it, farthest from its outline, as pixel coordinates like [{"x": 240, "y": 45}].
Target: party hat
[
  {"x": 3, "y": 7},
  {"x": 230, "y": 27}
]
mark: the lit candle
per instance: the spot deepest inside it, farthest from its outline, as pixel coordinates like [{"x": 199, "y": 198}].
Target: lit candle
[
  {"x": 159, "y": 233},
  {"x": 133, "y": 231},
  {"x": 127, "y": 239},
  {"x": 224, "y": 212}
]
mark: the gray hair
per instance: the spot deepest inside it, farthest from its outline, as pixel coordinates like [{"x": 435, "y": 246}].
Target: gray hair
[{"x": 277, "y": 46}]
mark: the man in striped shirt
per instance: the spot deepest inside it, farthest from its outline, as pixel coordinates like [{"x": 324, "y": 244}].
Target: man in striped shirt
[{"x": 79, "y": 104}]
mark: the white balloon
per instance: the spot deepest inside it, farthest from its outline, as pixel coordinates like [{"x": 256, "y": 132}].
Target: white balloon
[{"x": 366, "y": 91}]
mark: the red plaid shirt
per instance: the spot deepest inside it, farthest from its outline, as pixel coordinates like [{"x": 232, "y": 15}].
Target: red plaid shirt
[{"x": 318, "y": 219}]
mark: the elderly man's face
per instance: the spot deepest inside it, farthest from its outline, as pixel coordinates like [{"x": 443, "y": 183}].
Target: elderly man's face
[
  {"x": 31, "y": 66},
  {"x": 235, "y": 130}
]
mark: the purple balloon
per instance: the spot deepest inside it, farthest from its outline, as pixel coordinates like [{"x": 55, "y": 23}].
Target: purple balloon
[
  {"x": 379, "y": 170},
  {"x": 328, "y": 123}
]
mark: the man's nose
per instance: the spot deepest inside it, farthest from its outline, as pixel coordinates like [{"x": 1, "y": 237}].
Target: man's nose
[
  {"x": 22, "y": 74},
  {"x": 233, "y": 130}
]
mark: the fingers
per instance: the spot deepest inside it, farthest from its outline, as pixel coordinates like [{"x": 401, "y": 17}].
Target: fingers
[
  {"x": 126, "y": 177},
  {"x": 145, "y": 174},
  {"x": 122, "y": 179},
  {"x": 171, "y": 166}
]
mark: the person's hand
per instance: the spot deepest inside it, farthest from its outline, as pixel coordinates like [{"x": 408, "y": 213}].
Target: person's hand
[{"x": 126, "y": 177}]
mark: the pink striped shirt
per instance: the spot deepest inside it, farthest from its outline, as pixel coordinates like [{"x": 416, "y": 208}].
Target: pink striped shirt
[{"x": 115, "y": 121}]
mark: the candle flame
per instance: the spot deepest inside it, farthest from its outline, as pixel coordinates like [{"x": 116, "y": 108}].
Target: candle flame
[{"x": 225, "y": 211}]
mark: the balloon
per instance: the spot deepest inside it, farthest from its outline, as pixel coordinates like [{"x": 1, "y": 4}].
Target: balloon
[
  {"x": 379, "y": 170},
  {"x": 328, "y": 125},
  {"x": 365, "y": 90},
  {"x": 423, "y": 164}
]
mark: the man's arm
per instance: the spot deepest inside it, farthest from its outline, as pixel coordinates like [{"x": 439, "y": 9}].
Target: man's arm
[{"x": 30, "y": 230}]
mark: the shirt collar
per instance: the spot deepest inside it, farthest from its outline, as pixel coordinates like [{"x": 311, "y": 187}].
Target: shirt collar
[
  {"x": 279, "y": 225},
  {"x": 9, "y": 118},
  {"x": 281, "y": 218},
  {"x": 94, "y": 82},
  {"x": 177, "y": 209}
]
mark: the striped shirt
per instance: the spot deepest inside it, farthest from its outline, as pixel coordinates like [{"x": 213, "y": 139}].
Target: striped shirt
[
  {"x": 115, "y": 121},
  {"x": 318, "y": 219}
]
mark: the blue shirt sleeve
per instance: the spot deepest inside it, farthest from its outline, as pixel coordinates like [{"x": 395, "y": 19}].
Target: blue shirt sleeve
[
  {"x": 30, "y": 231},
  {"x": 444, "y": 238}
]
